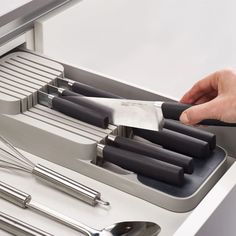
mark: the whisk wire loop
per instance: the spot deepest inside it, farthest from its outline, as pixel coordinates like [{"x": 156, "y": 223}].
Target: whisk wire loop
[{"x": 14, "y": 160}]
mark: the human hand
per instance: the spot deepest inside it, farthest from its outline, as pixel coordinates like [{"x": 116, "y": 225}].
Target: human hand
[{"x": 214, "y": 97}]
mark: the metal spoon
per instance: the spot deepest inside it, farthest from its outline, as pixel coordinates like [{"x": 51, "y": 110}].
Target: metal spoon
[{"x": 129, "y": 228}]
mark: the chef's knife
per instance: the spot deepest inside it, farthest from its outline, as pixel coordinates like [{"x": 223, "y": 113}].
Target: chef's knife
[
  {"x": 169, "y": 124},
  {"x": 145, "y": 114},
  {"x": 73, "y": 110},
  {"x": 125, "y": 112},
  {"x": 120, "y": 111}
]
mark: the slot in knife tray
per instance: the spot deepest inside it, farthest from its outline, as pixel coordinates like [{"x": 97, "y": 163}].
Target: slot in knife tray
[{"x": 72, "y": 143}]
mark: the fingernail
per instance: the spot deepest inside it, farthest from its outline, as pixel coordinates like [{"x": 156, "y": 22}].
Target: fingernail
[{"x": 184, "y": 118}]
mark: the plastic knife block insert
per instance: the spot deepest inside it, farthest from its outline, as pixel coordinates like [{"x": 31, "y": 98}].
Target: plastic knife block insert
[{"x": 72, "y": 143}]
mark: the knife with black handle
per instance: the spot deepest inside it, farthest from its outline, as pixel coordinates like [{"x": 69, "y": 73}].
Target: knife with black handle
[
  {"x": 142, "y": 165},
  {"x": 173, "y": 110},
  {"x": 170, "y": 110},
  {"x": 154, "y": 151},
  {"x": 191, "y": 131},
  {"x": 78, "y": 99},
  {"x": 85, "y": 89},
  {"x": 73, "y": 110},
  {"x": 177, "y": 142}
]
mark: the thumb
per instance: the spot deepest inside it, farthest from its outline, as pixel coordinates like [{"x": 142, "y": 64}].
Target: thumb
[{"x": 197, "y": 113}]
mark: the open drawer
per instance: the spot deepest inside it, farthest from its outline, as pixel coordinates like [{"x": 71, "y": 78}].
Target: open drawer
[{"x": 73, "y": 144}]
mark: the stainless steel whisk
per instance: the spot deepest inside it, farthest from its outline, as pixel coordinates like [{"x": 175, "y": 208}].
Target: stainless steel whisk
[{"x": 18, "y": 161}]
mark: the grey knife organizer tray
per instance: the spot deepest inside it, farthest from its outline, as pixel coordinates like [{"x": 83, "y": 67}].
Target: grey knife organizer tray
[{"x": 72, "y": 143}]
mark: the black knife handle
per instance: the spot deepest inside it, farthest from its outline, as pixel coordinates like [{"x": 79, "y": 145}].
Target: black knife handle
[
  {"x": 176, "y": 142},
  {"x": 79, "y": 112},
  {"x": 173, "y": 110},
  {"x": 152, "y": 150},
  {"x": 142, "y": 165},
  {"x": 81, "y": 100},
  {"x": 90, "y": 91},
  {"x": 191, "y": 131}
]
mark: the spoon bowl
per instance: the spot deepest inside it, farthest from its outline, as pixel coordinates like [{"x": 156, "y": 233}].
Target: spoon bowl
[{"x": 128, "y": 228}]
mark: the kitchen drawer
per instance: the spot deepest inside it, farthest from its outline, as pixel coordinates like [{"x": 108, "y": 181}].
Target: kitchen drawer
[{"x": 45, "y": 132}]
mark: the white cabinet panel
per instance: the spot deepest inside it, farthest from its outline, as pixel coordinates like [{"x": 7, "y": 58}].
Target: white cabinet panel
[{"x": 161, "y": 45}]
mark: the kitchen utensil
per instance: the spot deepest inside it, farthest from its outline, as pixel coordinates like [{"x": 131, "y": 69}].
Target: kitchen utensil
[
  {"x": 74, "y": 110},
  {"x": 173, "y": 110},
  {"x": 84, "y": 89},
  {"x": 76, "y": 98},
  {"x": 192, "y": 131},
  {"x": 168, "y": 124},
  {"x": 154, "y": 151},
  {"x": 19, "y": 228},
  {"x": 132, "y": 113},
  {"x": 172, "y": 125},
  {"x": 188, "y": 144},
  {"x": 131, "y": 228},
  {"x": 12, "y": 158},
  {"x": 176, "y": 142},
  {"x": 146, "y": 114},
  {"x": 141, "y": 164}
]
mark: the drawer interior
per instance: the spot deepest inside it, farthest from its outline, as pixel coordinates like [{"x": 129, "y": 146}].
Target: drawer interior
[{"x": 72, "y": 143}]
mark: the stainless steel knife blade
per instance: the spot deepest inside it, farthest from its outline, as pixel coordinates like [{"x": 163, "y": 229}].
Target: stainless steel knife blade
[{"x": 133, "y": 113}]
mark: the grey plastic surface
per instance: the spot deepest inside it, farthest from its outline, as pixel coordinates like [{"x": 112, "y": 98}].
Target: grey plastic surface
[
  {"x": 72, "y": 143},
  {"x": 203, "y": 168},
  {"x": 21, "y": 75}
]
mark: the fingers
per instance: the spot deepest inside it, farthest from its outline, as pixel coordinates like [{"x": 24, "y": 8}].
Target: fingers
[
  {"x": 208, "y": 85},
  {"x": 215, "y": 98},
  {"x": 206, "y": 98},
  {"x": 195, "y": 114}
]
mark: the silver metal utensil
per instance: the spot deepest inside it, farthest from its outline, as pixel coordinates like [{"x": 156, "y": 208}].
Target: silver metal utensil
[
  {"x": 15, "y": 160},
  {"x": 19, "y": 228},
  {"x": 131, "y": 228},
  {"x": 133, "y": 113}
]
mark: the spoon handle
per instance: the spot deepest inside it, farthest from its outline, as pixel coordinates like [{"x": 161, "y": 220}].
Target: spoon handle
[
  {"x": 23, "y": 200},
  {"x": 17, "y": 227}
]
